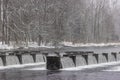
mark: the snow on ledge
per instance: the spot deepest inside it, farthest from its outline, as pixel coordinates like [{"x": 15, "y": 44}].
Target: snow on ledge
[
  {"x": 89, "y": 44},
  {"x": 62, "y": 44}
]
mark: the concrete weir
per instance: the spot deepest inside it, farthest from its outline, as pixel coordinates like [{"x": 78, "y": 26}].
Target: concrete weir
[
  {"x": 6, "y": 60},
  {"x": 87, "y": 58},
  {"x": 59, "y": 58}
]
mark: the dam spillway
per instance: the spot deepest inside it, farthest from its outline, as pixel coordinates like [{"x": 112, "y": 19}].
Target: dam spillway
[{"x": 58, "y": 58}]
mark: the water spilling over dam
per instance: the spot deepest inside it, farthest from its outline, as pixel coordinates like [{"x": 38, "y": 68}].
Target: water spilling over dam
[{"x": 58, "y": 58}]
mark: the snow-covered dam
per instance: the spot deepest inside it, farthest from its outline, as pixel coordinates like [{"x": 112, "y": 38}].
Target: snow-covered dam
[{"x": 60, "y": 58}]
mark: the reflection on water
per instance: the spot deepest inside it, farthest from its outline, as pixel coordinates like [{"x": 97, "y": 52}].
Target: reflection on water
[{"x": 58, "y": 75}]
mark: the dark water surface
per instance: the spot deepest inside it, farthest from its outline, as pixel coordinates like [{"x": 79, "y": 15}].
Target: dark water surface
[{"x": 86, "y": 74}]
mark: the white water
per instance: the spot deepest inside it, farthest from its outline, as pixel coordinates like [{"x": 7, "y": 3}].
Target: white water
[
  {"x": 91, "y": 66},
  {"x": 84, "y": 67},
  {"x": 21, "y": 65},
  {"x": 36, "y": 69},
  {"x": 113, "y": 69}
]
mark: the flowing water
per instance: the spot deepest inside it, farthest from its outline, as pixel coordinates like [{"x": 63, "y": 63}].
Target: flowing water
[
  {"x": 67, "y": 62},
  {"x": 85, "y": 74},
  {"x": 12, "y": 60}
]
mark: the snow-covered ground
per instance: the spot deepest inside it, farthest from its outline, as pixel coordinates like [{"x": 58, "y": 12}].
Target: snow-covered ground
[
  {"x": 23, "y": 45},
  {"x": 89, "y": 44},
  {"x": 62, "y": 44},
  {"x": 4, "y": 46}
]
